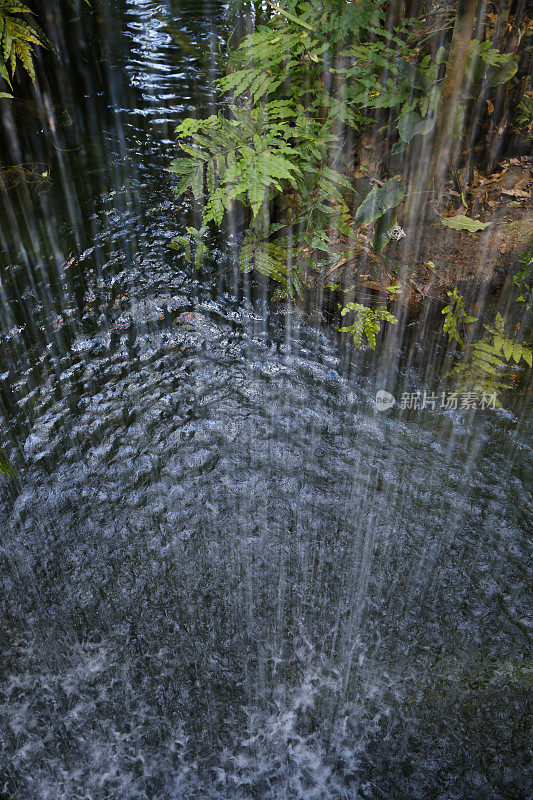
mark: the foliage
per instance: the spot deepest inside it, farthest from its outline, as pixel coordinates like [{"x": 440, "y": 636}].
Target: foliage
[
  {"x": 456, "y": 318},
  {"x": 19, "y": 34},
  {"x": 367, "y": 322},
  {"x": 240, "y": 159},
  {"x": 270, "y": 259},
  {"x": 6, "y": 467},
  {"x": 293, "y": 88},
  {"x": 486, "y": 63},
  {"x": 523, "y": 116},
  {"x": 462, "y": 223},
  {"x": 524, "y": 280},
  {"x": 305, "y": 82},
  {"x": 194, "y": 238},
  {"x": 378, "y": 201},
  {"x": 482, "y": 366}
]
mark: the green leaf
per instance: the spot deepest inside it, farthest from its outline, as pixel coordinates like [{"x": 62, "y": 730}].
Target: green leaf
[
  {"x": 383, "y": 232},
  {"x": 397, "y": 148},
  {"x": 412, "y": 124},
  {"x": 291, "y": 17},
  {"x": 499, "y": 75},
  {"x": 458, "y": 124},
  {"x": 14, "y": 7},
  {"x": 485, "y": 367},
  {"x": 6, "y": 467},
  {"x": 378, "y": 201},
  {"x": 462, "y": 223}
]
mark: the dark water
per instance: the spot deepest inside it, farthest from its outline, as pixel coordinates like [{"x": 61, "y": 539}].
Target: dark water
[{"x": 224, "y": 574}]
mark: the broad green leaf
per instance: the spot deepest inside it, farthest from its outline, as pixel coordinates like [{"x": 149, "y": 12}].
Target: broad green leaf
[
  {"x": 378, "y": 201},
  {"x": 398, "y": 147},
  {"x": 462, "y": 223},
  {"x": 383, "y": 232},
  {"x": 411, "y": 124},
  {"x": 498, "y": 75}
]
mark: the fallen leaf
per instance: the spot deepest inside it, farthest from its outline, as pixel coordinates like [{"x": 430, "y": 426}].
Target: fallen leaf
[
  {"x": 461, "y": 223},
  {"x": 417, "y": 287},
  {"x": 373, "y": 285},
  {"x": 496, "y": 175},
  {"x": 517, "y": 193}
]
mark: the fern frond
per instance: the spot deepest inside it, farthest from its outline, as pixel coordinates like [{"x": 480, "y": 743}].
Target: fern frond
[{"x": 18, "y": 38}]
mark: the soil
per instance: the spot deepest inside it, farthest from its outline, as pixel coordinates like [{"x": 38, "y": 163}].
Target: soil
[{"x": 475, "y": 262}]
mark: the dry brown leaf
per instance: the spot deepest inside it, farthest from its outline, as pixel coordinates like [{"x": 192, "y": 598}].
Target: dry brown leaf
[
  {"x": 517, "y": 193},
  {"x": 476, "y": 179},
  {"x": 496, "y": 175},
  {"x": 417, "y": 287},
  {"x": 373, "y": 285}
]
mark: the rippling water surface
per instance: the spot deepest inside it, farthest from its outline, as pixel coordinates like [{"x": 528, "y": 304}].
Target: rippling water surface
[{"x": 224, "y": 575}]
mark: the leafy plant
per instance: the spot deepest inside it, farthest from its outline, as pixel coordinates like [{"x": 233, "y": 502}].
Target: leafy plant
[
  {"x": 523, "y": 116},
  {"x": 240, "y": 159},
  {"x": 6, "y": 467},
  {"x": 487, "y": 63},
  {"x": 19, "y": 35},
  {"x": 380, "y": 200},
  {"x": 456, "y": 318},
  {"x": 524, "y": 280},
  {"x": 270, "y": 259},
  {"x": 194, "y": 238},
  {"x": 292, "y": 88},
  {"x": 367, "y": 322},
  {"x": 482, "y": 366}
]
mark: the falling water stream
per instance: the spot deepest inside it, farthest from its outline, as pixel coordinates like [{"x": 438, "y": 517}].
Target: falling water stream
[{"x": 224, "y": 574}]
